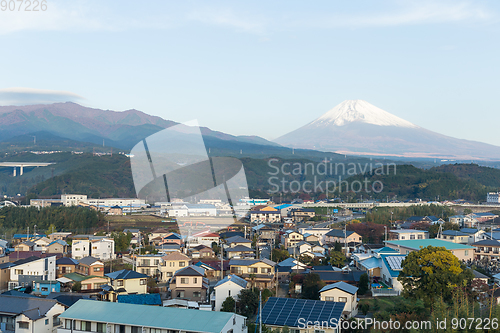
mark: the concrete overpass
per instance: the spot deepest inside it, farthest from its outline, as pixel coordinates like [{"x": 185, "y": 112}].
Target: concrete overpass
[{"x": 21, "y": 166}]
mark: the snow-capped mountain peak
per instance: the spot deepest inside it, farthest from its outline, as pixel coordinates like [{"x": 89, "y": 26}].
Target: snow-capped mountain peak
[{"x": 360, "y": 111}]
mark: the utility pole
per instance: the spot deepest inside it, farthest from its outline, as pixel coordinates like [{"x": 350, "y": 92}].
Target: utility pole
[
  {"x": 221, "y": 249},
  {"x": 260, "y": 311},
  {"x": 28, "y": 234}
]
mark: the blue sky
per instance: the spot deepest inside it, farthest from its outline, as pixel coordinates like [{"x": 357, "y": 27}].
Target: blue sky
[{"x": 254, "y": 67}]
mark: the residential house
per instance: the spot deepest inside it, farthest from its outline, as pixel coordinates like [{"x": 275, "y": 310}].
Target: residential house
[
  {"x": 304, "y": 229},
  {"x": 57, "y": 246},
  {"x": 329, "y": 275},
  {"x": 87, "y": 315},
  {"x": 115, "y": 210},
  {"x": 5, "y": 274},
  {"x": 99, "y": 247},
  {"x": 25, "y": 246},
  {"x": 3, "y": 247},
  {"x": 202, "y": 252},
  {"x": 204, "y": 238},
  {"x": 480, "y": 276},
  {"x": 65, "y": 265},
  {"x": 403, "y": 234},
  {"x": 230, "y": 286},
  {"x": 213, "y": 268},
  {"x": 487, "y": 249},
  {"x": 29, "y": 314},
  {"x": 299, "y": 312},
  {"x": 170, "y": 239},
  {"x": 190, "y": 283},
  {"x": 259, "y": 272},
  {"x": 461, "y": 251},
  {"x": 391, "y": 267},
  {"x": 45, "y": 287},
  {"x": 371, "y": 263},
  {"x": 291, "y": 238},
  {"x": 240, "y": 251},
  {"x": 90, "y": 266},
  {"x": 464, "y": 221},
  {"x": 475, "y": 235},
  {"x": 310, "y": 238},
  {"x": 160, "y": 232},
  {"x": 339, "y": 236},
  {"x": 59, "y": 235},
  {"x": 25, "y": 271},
  {"x": 483, "y": 217},
  {"x": 238, "y": 241},
  {"x": 265, "y": 215},
  {"x": 148, "y": 264},
  {"x": 124, "y": 282},
  {"x": 344, "y": 293},
  {"x": 303, "y": 247},
  {"x": 288, "y": 266},
  {"x": 134, "y": 232},
  {"x": 171, "y": 263},
  {"x": 454, "y": 236},
  {"x": 41, "y": 243},
  {"x": 302, "y": 214},
  {"x": 88, "y": 283},
  {"x": 267, "y": 233}
]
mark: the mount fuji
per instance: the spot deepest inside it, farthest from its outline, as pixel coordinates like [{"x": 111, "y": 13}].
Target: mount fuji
[{"x": 359, "y": 128}]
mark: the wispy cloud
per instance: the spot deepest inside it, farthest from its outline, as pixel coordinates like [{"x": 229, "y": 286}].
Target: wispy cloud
[
  {"x": 414, "y": 13},
  {"x": 27, "y": 96},
  {"x": 229, "y": 18},
  {"x": 92, "y": 15}
]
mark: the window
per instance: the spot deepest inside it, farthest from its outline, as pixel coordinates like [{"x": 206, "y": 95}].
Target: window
[
  {"x": 56, "y": 321},
  {"x": 135, "y": 329},
  {"x": 343, "y": 299},
  {"x": 265, "y": 270},
  {"x": 77, "y": 249},
  {"x": 184, "y": 280},
  {"x": 85, "y": 326},
  {"x": 119, "y": 283},
  {"x": 172, "y": 264},
  {"x": 94, "y": 247},
  {"x": 229, "y": 293},
  {"x": 195, "y": 280},
  {"x": 329, "y": 299},
  {"x": 97, "y": 269},
  {"x": 143, "y": 282},
  {"x": 46, "y": 321},
  {"x": 420, "y": 237},
  {"x": 182, "y": 263},
  {"x": 24, "y": 324},
  {"x": 180, "y": 293},
  {"x": 155, "y": 330},
  {"x": 67, "y": 324},
  {"x": 412, "y": 236},
  {"x": 253, "y": 270},
  {"x": 196, "y": 294},
  {"x": 466, "y": 252},
  {"x": 19, "y": 272},
  {"x": 169, "y": 274}
]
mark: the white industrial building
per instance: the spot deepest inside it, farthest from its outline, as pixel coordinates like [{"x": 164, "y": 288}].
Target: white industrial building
[{"x": 493, "y": 197}]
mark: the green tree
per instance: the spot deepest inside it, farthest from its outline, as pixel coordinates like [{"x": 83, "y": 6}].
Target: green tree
[
  {"x": 248, "y": 302},
  {"x": 337, "y": 259},
  {"x": 432, "y": 272},
  {"x": 363, "y": 284},
  {"x": 337, "y": 247},
  {"x": 52, "y": 229},
  {"x": 280, "y": 254},
  {"x": 77, "y": 286},
  {"x": 228, "y": 305},
  {"x": 311, "y": 286}
]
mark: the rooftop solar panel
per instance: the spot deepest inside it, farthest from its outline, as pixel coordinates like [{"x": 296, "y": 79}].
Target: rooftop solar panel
[{"x": 288, "y": 311}]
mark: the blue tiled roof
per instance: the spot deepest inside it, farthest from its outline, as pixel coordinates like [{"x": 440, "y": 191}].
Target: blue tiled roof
[{"x": 144, "y": 299}]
